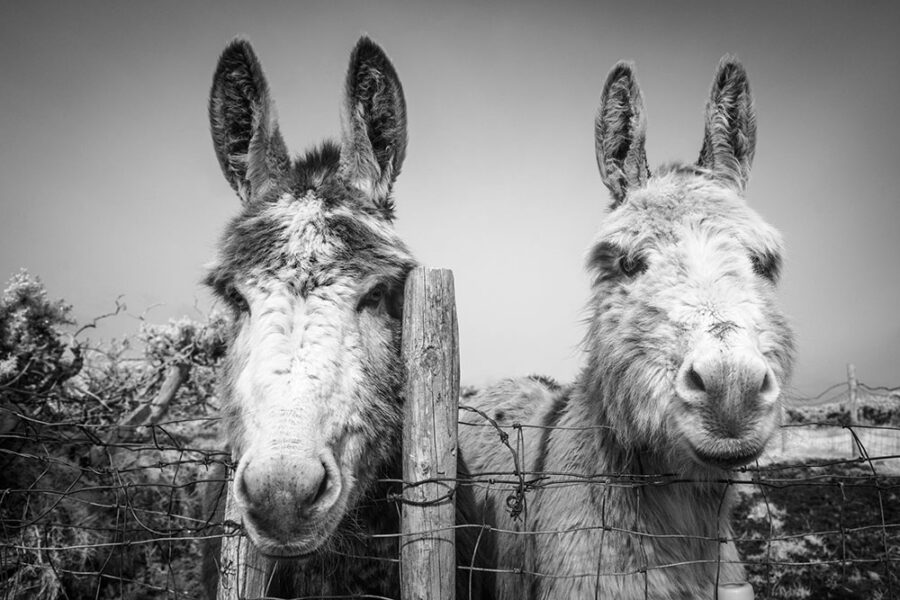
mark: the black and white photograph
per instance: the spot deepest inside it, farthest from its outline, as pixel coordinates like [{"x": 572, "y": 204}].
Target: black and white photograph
[{"x": 400, "y": 300}]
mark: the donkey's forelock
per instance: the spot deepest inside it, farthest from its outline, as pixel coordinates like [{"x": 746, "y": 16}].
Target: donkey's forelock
[
  {"x": 684, "y": 196},
  {"x": 320, "y": 171},
  {"x": 309, "y": 241}
]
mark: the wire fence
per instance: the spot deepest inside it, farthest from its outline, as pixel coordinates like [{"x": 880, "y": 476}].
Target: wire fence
[
  {"x": 98, "y": 511},
  {"x": 85, "y": 518}
]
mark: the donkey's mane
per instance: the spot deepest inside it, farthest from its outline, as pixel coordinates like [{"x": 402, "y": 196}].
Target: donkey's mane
[
  {"x": 358, "y": 240},
  {"x": 316, "y": 168},
  {"x": 680, "y": 168}
]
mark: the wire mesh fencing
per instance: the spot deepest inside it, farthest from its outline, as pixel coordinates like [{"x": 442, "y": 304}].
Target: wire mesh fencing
[
  {"x": 85, "y": 518},
  {"x": 103, "y": 511}
]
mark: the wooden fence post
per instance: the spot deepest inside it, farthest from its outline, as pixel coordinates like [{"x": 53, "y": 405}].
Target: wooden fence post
[
  {"x": 243, "y": 572},
  {"x": 852, "y": 405},
  {"x": 430, "y": 352}
]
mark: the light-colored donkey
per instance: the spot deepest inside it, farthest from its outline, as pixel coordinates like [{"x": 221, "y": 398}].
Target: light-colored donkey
[
  {"x": 686, "y": 354},
  {"x": 311, "y": 386}
]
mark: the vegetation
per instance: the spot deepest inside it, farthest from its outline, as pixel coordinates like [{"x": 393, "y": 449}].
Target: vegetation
[
  {"x": 821, "y": 532},
  {"x": 90, "y": 508}
]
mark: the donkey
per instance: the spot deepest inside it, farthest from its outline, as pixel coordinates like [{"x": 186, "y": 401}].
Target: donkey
[
  {"x": 311, "y": 386},
  {"x": 686, "y": 354}
]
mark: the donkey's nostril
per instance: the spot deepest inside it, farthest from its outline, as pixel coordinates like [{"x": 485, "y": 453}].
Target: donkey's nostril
[
  {"x": 766, "y": 383},
  {"x": 695, "y": 381},
  {"x": 769, "y": 390},
  {"x": 323, "y": 486}
]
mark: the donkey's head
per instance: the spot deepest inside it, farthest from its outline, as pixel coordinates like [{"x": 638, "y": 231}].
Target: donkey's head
[
  {"x": 314, "y": 274},
  {"x": 687, "y": 344}
]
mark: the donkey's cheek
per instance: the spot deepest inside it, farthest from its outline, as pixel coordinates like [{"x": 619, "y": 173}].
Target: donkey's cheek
[
  {"x": 361, "y": 457},
  {"x": 375, "y": 335}
]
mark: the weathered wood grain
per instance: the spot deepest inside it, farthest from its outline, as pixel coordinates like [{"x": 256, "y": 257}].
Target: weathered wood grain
[{"x": 430, "y": 352}]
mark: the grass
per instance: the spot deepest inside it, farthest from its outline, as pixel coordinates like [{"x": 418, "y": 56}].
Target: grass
[{"x": 821, "y": 532}]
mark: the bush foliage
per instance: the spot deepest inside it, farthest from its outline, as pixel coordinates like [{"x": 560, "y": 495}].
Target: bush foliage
[{"x": 92, "y": 509}]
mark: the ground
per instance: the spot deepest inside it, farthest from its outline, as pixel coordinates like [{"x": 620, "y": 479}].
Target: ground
[{"x": 830, "y": 531}]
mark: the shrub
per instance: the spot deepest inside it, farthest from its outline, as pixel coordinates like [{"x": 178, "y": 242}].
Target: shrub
[{"x": 91, "y": 509}]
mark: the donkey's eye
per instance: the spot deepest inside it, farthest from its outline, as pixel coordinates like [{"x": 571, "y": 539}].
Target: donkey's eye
[
  {"x": 383, "y": 297},
  {"x": 231, "y": 295},
  {"x": 767, "y": 266},
  {"x": 373, "y": 298},
  {"x": 631, "y": 265}
]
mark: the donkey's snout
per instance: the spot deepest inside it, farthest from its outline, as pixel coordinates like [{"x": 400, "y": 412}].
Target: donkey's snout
[
  {"x": 732, "y": 390},
  {"x": 283, "y": 491},
  {"x": 280, "y": 480}
]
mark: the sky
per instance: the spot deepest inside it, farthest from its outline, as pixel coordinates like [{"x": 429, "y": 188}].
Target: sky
[{"x": 109, "y": 185}]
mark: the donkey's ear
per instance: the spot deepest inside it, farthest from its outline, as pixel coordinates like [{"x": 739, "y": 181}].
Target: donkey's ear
[
  {"x": 245, "y": 134},
  {"x": 619, "y": 133},
  {"x": 730, "y": 136},
  {"x": 373, "y": 120}
]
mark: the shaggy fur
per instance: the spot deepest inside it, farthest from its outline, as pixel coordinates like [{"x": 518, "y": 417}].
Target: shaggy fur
[
  {"x": 311, "y": 387},
  {"x": 686, "y": 351}
]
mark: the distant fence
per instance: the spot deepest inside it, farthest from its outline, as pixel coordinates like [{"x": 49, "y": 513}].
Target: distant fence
[
  {"x": 92, "y": 510},
  {"x": 805, "y": 442},
  {"x": 847, "y": 420}
]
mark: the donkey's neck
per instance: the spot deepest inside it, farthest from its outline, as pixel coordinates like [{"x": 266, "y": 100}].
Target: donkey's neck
[{"x": 685, "y": 514}]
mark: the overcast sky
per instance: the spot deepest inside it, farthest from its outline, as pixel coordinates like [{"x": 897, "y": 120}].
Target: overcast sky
[{"x": 109, "y": 184}]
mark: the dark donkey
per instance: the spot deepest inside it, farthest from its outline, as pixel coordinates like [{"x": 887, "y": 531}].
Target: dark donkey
[{"x": 314, "y": 274}]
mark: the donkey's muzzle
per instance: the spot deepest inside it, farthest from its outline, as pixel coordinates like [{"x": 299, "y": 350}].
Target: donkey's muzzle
[
  {"x": 285, "y": 492},
  {"x": 732, "y": 398}
]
